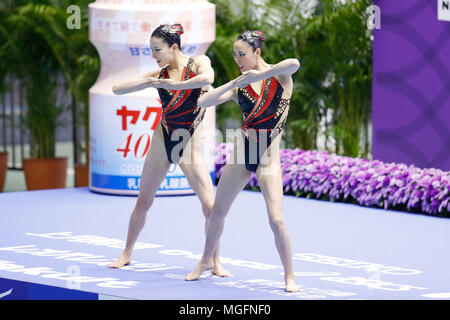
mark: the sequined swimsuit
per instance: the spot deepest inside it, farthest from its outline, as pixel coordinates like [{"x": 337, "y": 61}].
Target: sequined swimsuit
[
  {"x": 264, "y": 118},
  {"x": 179, "y": 111}
]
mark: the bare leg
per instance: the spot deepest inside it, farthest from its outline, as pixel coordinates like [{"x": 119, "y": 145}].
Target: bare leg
[
  {"x": 200, "y": 181},
  {"x": 233, "y": 180},
  {"x": 196, "y": 172},
  {"x": 270, "y": 182},
  {"x": 155, "y": 169}
]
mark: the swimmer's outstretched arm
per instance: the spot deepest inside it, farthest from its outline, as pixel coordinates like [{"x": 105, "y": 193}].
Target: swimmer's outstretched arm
[
  {"x": 228, "y": 91},
  {"x": 204, "y": 77},
  {"x": 146, "y": 81},
  {"x": 219, "y": 95},
  {"x": 283, "y": 68}
]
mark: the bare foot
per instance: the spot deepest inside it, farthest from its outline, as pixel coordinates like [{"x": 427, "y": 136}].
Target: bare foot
[
  {"x": 220, "y": 271},
  {"x": 291, "y": 286},
  {"x": 199, "y": 269},
  {"x": 123, "y": 260}
]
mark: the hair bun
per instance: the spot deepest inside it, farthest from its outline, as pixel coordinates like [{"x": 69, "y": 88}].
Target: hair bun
[
  {"x": 259, "y": 34},
  {"x": 172, "y": 28},
  {"x": 177, "y": 28}
]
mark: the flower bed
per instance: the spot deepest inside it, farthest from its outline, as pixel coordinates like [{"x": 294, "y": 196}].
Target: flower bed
[{"x": 320, "y": 175}]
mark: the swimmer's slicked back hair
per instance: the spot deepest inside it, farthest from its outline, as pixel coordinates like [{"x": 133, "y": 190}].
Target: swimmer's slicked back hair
[
  {"x": 170, "y": 33},
  {"x": 254, "y": 38}
]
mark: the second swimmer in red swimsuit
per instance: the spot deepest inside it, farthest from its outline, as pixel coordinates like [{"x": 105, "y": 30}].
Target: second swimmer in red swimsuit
[
  {"x": 263, "y": 93},
  {"x": 179, "y": 85}
]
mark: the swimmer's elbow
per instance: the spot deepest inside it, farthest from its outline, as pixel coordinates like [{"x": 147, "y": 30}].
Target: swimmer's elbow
[
  {"x": 209, "y": 78},
  {"x": 201, "y": 103},
  {"x": 294, "y": 64}
]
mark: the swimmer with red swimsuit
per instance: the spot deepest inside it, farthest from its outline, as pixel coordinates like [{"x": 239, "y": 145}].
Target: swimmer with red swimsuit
[
  {"x": 262, "y": 92},
  {"x": 177, "y": 138}
]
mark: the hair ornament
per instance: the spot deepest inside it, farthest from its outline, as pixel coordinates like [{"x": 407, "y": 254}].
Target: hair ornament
[
  {"x": 173, "y": 28},
  {"x": 259, "y": 34}
]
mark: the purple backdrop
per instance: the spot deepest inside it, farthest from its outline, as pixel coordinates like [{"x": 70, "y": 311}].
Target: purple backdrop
[{"x": 411, "y": 85}]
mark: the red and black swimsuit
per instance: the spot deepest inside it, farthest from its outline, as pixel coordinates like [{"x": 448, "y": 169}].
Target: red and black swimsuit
[
  {"x": 180, "y": 114},
  {"x": 264, "y": 118}
]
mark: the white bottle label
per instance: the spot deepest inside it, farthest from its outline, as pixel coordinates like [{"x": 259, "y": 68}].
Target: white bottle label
[{"x": 121, "y": 127}]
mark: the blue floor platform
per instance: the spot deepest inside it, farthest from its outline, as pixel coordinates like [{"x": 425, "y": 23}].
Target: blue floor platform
[{"x": 56, "y": 244}]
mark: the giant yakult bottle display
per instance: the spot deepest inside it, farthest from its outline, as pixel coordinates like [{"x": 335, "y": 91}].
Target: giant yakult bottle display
[{"x": 121, "y": 127}]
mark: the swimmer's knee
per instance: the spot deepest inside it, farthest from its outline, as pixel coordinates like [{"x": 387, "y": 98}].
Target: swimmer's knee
[
  {"x": 207, "y": 208},
  {"x": 276, "y": 224},
  {"x": 144, "y": 204}
]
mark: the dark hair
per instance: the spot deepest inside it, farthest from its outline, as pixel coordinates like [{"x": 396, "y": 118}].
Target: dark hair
[
  {"x": 254, "y": 38},
  {"x": 170, "y": 33}
]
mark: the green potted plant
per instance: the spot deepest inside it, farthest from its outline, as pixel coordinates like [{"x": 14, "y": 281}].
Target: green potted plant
[
  {"x": 79, "y": 64},
  {"x": 43, "y": 170},
  {"x": 39, "y": 70}
]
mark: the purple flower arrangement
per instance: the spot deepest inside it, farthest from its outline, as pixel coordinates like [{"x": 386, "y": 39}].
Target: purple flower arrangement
[{"x": 320, "y": 175}]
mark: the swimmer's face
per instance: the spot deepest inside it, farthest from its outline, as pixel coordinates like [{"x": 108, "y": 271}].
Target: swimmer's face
[
  {"x": 161, "y": 51},
  {"x": 244, "y": 56}
]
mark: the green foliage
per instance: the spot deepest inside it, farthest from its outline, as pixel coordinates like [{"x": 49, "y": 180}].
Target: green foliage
[
  {"x": 30, "y": 59},
  {"x": 37, "y": 49}
]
